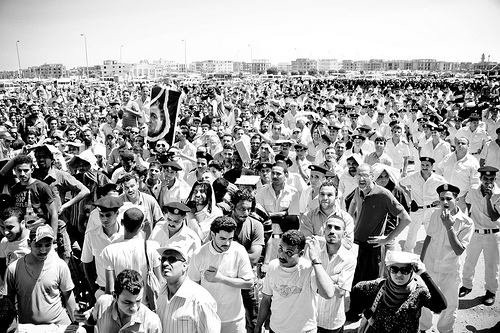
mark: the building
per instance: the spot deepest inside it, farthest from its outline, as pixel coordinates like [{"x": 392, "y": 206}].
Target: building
[
  {"x": 374, "y": 65},
  {"x": 284, "y": 67},
  {"x": 213, "y": 66},
  {"x": 327, "y": 65},
  {"x": 304, "y": 65},
  {"x": 260, "y": 66},
  {"x": 112, "y": 68},
  {"x": 353, "y": 66}
]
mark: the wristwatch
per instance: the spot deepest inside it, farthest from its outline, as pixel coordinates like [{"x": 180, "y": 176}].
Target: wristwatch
[{"x": 316, "y": 262}]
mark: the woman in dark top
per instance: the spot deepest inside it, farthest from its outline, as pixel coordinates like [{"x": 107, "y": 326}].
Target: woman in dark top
[{"x": 404, "y": 295}]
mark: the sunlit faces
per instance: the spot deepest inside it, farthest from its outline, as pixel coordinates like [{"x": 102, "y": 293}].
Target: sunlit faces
[
  {"x": 11, "y": 228},
  {"x": 352, "y": 166},
  {"x": 41, "y": 249},
  {"x": 334, "y": 230},
  {"x": 379, "y": 146},
  {"x": 23, "y": 172},
  {"x": 364, "y": 176},
  {"x": 222, "y": 240},
  {"x": 131, "y": 188},
  {"x": 316, "y": 179},
  {"x": 202, "y": 164},
  {"x": 265, "y": 175},
  {"x": 401, "y": 273},
  {"x": 173, "y": 265},
  {"x": 326, "y": 197},
  {"x": 425, "y": 167},
  {"x": 329, "y": 154},
  {"x": 278, "y": 175},
  {"x": 488, "y": 181},
  {"x": 107, "y": 217},
  {"x": 129, "y": 303},
  {"x": 174, "y": 222},
  {"x": 462, "y": 145},
  {"x": 383, "y": 179},
  {"x": 200, "y": 195},
  {"x": 448, "y": 200},
  {"x": 288, "y": 255},
  {"x": 242, "y": 210}
]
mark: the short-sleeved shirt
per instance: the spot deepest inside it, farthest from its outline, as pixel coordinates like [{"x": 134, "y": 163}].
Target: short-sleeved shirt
[
  {"x": 232, "y": 263},
  {"x": 94, "y": 243},
  {"x": 39, "y": 297},
  {"x": 440, "y": 256},
  {"x": 186, "y": 238},
  {"x": 250, "y": 233},
  {"x": 191, "y": 309},
  {"x": 106, "y": 314},
  {"x": 12, "y": 251},
  {"x": 479, "y": 210},
  {"x": 423, "y": 191},
  {"x": 293, "y": 296},
  {"x": 288, "y": 199},
  {"x": 40, "y": 196},
  {"x": 374, "y": 209}
]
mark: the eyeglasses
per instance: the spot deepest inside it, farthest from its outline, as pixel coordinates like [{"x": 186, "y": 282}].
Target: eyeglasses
[
  {"x": 404, "y": 270},
  {"x": 161, "y": 146},
  {"x": 171, "y": 259}
]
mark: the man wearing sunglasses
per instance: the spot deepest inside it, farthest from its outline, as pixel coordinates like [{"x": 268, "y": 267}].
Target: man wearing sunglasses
[{"x": 184, "y": 305}]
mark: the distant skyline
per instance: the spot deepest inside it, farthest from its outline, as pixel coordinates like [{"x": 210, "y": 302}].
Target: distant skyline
[{"x": 50, "y": 31}]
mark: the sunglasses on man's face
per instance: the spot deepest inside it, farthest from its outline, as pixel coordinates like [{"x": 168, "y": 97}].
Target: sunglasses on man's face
[
  {"x": 171, "y": 259},
  {"x": 404, "y": 270}
]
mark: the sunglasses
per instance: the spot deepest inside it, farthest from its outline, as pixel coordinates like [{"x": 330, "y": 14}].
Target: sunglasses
[
  {"x": 171, "y": 259},
  {"x": 404, "y": 270},
  {"x": 161, "y": 146}
]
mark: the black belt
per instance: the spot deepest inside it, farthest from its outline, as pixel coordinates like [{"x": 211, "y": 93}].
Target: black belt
[
  {"x": 428, "y": 206},
  {"x": 486, "y": 231},
  {"x": 102, "y": 288}
]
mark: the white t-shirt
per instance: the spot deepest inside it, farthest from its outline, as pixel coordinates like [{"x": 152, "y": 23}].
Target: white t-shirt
[{"x": 293, "y": 296}]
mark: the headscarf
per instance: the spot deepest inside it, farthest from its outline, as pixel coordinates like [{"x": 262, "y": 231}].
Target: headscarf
[
  {"x": 393, "y": 173},
  {"x": 395, "y": 294}
]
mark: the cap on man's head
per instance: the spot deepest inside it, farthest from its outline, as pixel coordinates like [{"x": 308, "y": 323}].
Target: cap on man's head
[
  {"x": 281, "y": 157},
  {"x": 358, "y": 136},
  {"x": 400, "y": 257},
  {"x": 176, "y": 208},
  {"x": 448, "y": 188},
  {"x": 205, "y": 155},
  {"x": 365, "y": 128},
  {"x": 474, "y": 117},
  {"x": 109, "y": 203},
  {"x": 427, "y": 159},
  {"x": 318, "y": 168},
  {"x": 172, "y": 165},
  {"x": 300, "y": 145},
  {"x": 488, "y": 171},
  {"x": 174, "y": 248},
  {"x": 41, "y": 232},
  {"x": 263, "y": 165}
]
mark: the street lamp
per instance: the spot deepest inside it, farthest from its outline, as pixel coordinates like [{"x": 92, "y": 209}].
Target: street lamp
[
  {"x": 86, "y": 54},
  {"x": 121, "y": 47},
  {"x": 185, "y": 57},
  {"x": 19, "y": 61},
  {"x": 251, "y": 59}
]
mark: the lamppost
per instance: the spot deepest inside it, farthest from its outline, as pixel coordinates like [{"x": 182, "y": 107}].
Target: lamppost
[
  {"x": 251, "y": 59},
  {"x": 185, "y": 57},
  {"x": 121, "y": 47},
  {"x": 86, "y": 54},
  {"x": 19, "y": 61}
]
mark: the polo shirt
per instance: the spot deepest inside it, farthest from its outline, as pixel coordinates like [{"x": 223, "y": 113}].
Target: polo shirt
[
  {"x": 461, "y": 173},
  {"x": 108, "y": 320},
  {"x": 374, "y": 208},
  {"x": 312, "y": 223},
  {"x": 423, "y": 192}
]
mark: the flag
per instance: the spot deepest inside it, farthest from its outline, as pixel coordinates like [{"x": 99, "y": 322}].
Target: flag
[{"x": 164, "y": 110}]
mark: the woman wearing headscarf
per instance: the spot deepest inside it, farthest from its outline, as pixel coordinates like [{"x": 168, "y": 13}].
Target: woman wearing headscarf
[
  {"x": 204, "y": 210},
  {"x": 394, "y": 304}
]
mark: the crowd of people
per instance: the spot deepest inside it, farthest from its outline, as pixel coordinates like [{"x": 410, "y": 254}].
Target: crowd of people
[{"x": 275, "y": 206}]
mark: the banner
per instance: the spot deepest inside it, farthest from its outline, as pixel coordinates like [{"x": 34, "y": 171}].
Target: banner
[{"x": 164, "y": 110}]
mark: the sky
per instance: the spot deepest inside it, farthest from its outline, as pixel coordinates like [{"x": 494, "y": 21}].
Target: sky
[{"x": 49, "y": 31}]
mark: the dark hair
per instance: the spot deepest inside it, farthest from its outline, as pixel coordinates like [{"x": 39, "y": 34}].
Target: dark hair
[
  {"x": 155, "y": 164},
  {"x": 243, "y": 195},
  {"x": 294, "y": 238},
  {"x": 12, "y": 211},
  {"x": 132, "y": 219},
  {"x": 129, "y": 280},
  {"x": 141, "y": 170},
  {"x": 328, "y": 183},
  {"x": 113, "y": 115},
  {"x": 127, "y": 156},
  {"x": 223, "y": 223},
  {"x": 381, "y": 139},
  {"x": 8, "y": 314},
  {"x": 208, "y": 190},
  {"x": 22, "y": 159},
  {"x": 217, "y": 165},
  {"x": 126, "y": 177}
]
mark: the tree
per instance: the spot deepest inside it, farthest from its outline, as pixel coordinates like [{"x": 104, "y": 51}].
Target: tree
[
  {"x": 284, "y": 72},
  {"x": 313, "y": 71},
  {"x": 294, "y": 73},
  {"x": 302, "y": 72},
  {"x": 272, "y": 70}
]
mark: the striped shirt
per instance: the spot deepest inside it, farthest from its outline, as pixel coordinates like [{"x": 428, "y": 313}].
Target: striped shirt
[{"x": 191, "y": 310}]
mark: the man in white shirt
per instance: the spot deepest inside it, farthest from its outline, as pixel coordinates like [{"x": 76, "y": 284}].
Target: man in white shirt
[{"x": 223, "y": 268}]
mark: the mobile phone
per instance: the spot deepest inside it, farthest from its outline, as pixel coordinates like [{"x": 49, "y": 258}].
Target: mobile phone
[{"x": 82, "y": 306}]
